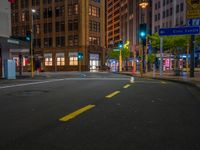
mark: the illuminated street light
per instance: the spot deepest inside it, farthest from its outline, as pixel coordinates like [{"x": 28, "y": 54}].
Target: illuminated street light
[
  {"x": 143, "y": 4},
  {"x": 31, "y": 45}
]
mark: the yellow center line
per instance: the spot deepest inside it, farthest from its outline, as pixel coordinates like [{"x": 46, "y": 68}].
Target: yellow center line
[
  {"x": 76, "y": 113},
  {"x": 126, "y": 86},
  {"x": 112, "y": 94}
]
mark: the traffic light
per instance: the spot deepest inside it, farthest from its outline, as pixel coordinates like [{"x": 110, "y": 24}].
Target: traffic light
[
  {"x": 120, "y": 44},
  {"x": 80, "y": 55},
  {"x": 143, "y": 31},
  {"x": 28, "y": 36}
]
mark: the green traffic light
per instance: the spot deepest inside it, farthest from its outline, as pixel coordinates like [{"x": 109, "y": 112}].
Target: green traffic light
[{"x": 142, "y": 34}]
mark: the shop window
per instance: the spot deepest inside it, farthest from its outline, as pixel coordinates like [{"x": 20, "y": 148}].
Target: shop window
[
  {"x": 73, "y": 61},
  {"x": 48, "y": 61}
]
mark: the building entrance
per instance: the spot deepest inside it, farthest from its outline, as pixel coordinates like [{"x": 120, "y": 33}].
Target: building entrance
[{"x": 94, "y": 62}]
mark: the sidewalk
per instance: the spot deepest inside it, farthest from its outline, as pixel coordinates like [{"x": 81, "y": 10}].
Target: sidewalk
[{"x": 169, "y": 76}]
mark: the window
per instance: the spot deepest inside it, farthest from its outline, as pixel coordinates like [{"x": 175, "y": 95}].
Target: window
[
  {"x": 60, "y": 26},
  {"x": 182, "y": 7},
  {"x": 177, "y": 8},
  {"x": 47, "y": 27},
  {"x": 163, "y": 14},
  {"x": 47, "y": 13},
  {"x": 47, "y": 42},
  {"x": 59, "y": 11},
  {"x": 60, "y": 59},
  {"x": 73, "y": 40},
  {"x": 60, "y": 41},
  {"x": 94, "y": 11},
  {"x": 73, "y": 61},
  {"x": 156, "y": 18},
  {"x": 37, "y": 28},
  {"x": 35, "y": 2},
  {"x": 73, "y": 9},
  {"x": 48, "y": 59},
  {"x": 94, "y": 40},
  {"x": 24, "y": 3},
  {"x": 171, "y": 11},
  {"x": 73, "y": 25},
  {"x": 94, "y": 26},
  {"x": 156, "y": 6},
  {"x": 37, "y": 43},
  {"x": 47, "y": 1}
]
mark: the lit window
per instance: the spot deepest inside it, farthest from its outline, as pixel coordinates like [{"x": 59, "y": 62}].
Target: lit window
[
  {"x": 73, "y": 61},
  {"x": 60, "y": 60},
  {"x": 48, "y": 61}
]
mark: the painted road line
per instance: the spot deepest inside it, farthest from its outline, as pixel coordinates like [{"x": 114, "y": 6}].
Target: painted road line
[
  {"x": 32, "y": 83},
  {"x": 163, "y": 82},
  {"x": 76, "y": 113},
  {"x": 126, "y": 86},
  {"x": 113, "y": 94},
  {"x": 101, "y": 79}
]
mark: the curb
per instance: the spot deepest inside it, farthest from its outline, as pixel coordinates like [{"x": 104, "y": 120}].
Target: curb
[{"x": 166, "y": 79}]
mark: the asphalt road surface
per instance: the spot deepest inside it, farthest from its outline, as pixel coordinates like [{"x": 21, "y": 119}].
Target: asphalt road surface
[{"x": 98, "y": 111}]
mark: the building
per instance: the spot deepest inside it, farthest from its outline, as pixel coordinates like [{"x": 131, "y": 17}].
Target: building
[
  {"x": 123, "y": 20},
  {"x": 61, "y": 29},
  {"x": 168, "y": 13},
  {"x": 9, "y": 48},
  {"x": 113, "y": 22}
]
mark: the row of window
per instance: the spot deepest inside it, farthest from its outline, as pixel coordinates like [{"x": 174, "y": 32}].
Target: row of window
[
  {"x": 59, "y": 11},
  {"x": 169, "y": 12},
  {"x": 25, "y": 3},
  {"x": 73, "y": 40},
  {"x": 165, "y": 2}
]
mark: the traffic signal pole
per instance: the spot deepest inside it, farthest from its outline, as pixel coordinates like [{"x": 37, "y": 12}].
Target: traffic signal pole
[
  {"x": 120, "y": 60},
  {"x": 192, "y": 65}
]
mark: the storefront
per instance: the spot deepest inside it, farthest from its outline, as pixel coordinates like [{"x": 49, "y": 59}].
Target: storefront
[
  {"x": 13, "y": 49},
  {"x": 95, "y": 62}
]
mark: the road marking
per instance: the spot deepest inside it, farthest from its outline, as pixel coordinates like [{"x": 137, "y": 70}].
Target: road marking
[
  {"x": 56, "y": 80},
  {"x": 113, "y": 94},
  {"x": 76, "y": 113},
  {"x": 126, "y": 86},
  {"x": 118, "y": 79},
  {"x": 163, "y": 82},
  {"x": 33, "y": 83}
]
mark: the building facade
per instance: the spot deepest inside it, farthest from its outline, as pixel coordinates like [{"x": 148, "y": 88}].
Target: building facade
[
  {"x": 168, "y": 13},
  {"x": 62, "y": 29},
  {"x": 123, "y": 20},
  {"x": 8, "y": 47}
]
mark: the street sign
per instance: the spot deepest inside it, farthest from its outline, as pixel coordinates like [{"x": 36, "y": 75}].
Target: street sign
[
  {"x": 193, "y": 22},
  {"x": 179, "y": 31},
  {"x": 116, "y": 50},
  {"x": 193, "y": 9}
]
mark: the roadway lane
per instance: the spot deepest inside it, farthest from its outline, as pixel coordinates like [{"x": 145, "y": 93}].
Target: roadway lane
[{"x": 148, "y": 114}]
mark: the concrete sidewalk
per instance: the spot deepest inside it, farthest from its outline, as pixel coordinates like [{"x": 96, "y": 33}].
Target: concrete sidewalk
[{"x": 169, "y": 76}]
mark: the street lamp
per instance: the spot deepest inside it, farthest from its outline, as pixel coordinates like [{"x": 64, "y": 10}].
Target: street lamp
[
  {"x": 143, "y": 4},
  {"x": 31, "y": 42}
]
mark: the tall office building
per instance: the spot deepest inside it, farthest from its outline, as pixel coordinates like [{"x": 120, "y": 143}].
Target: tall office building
[
  {"x": 168, "y": 13},
  {"x": 61, "y": 29},
  {"x": 123, "y": 20}
]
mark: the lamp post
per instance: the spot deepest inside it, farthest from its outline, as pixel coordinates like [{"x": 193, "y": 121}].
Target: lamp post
[
  {"x": 31, "y": 42},
  {"x": 143, "y": 4}
]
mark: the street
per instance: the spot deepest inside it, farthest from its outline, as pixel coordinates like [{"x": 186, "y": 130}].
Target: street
[{"x": 98, "y": 111}]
